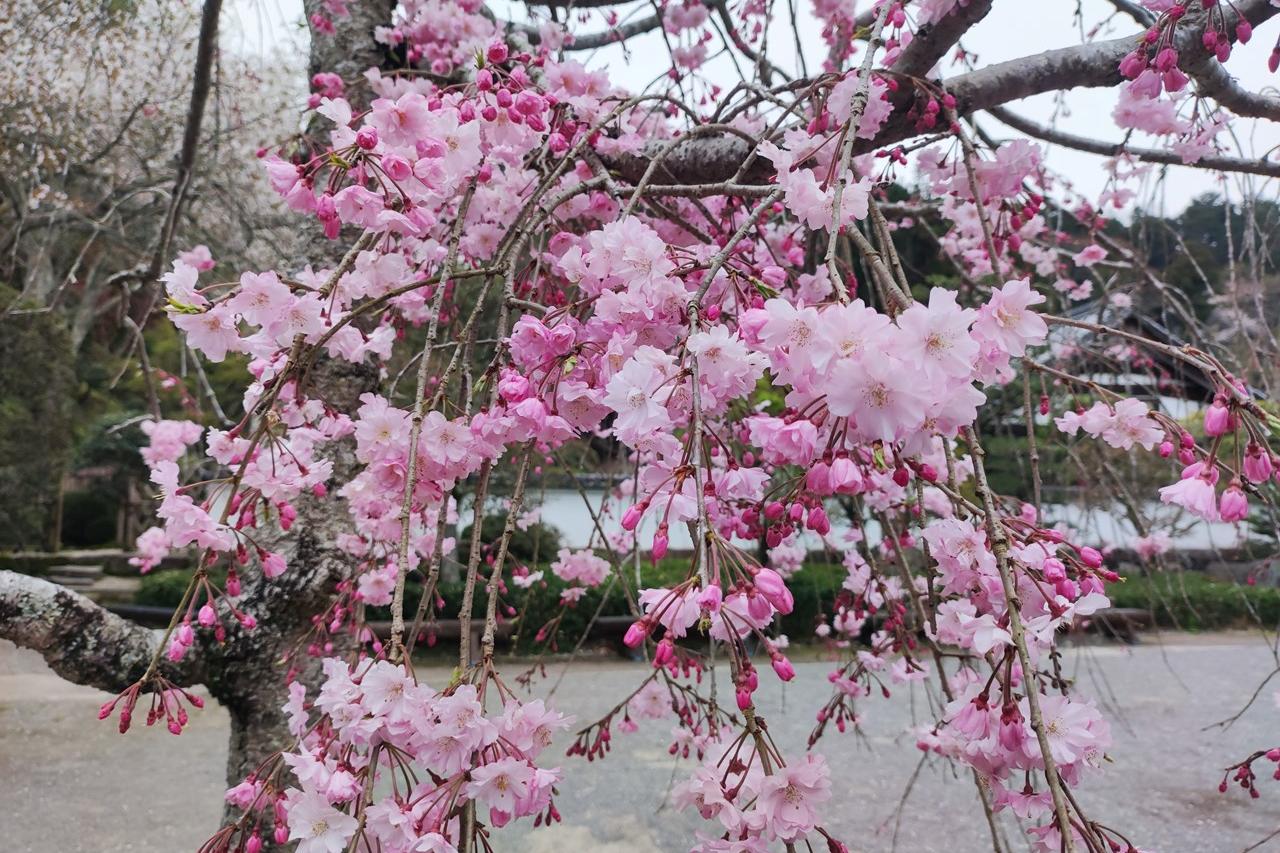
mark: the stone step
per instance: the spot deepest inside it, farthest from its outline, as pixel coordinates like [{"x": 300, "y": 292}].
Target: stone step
[
  {"x": 90, "y": 571},
  {"x": 71, "y": 581},
  {"x": 75, "y": 576}
]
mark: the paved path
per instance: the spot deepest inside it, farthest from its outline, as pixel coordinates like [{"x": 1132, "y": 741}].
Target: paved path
[{"x": 72, "y": 785}]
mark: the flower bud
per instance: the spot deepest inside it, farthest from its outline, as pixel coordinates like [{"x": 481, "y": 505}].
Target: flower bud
[
  {"x": 497, "y": 51},
  {"x": 1090, "y": 557},
  {"x": 1217, "y": 418},
  {"x": 1257, "y": 463},
  {"x": 636, "y": 633},
  {"x": 783, "y": 668},
  {"x": 631, "y": 517},
  {"x": 1233, "y": 506},
  {"x": 660, "y": 542}
]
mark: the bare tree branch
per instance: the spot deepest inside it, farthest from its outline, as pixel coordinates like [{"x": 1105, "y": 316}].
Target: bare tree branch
[
  {"x": 932, "y": 41},
  {"x": 1147, "y": 155},
  {"x": 1216, "y": 82},
  {"x": 201, "y": 83}
]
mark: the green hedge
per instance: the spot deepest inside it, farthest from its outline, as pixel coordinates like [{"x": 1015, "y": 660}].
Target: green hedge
[
  {"x": 814, "y": 588},
  {"x": 1196, "y": 602},
  {"x": 165, "y": 588},
  {"x": 1187, "y": 601}
]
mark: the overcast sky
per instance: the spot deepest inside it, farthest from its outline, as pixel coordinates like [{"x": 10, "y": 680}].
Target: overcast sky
[{"x": 1014, "y": 28}]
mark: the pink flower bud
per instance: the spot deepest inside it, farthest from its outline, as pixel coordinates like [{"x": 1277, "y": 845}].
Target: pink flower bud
[
  {"x": 1090, "y": 557},
  {"x": 1257, "y": 463},
  {"x": 1217, "y": 418},
  {"x": 774, "y": 510},
  {"x": 528, "y": 103},
  {"x": 207, "y": 617},
  {"x": 660, "y": 542},
  {"x": 1053, "y": 570},
  {"x": 631, "y": 517},
  {"x": 1133, "y": 64},
  {"x": 818, "y": 522},
  {"x": 497, "y": 51},
  {"x": 783, "y": 668},
  {"x": 1166, "y": 449},
  {"x": 665, "y": 652},
  {"x": 710, "y": 597},
  {"x": 744, "y": 698},
  {"x": 1244, "y": 31},
  {"x": 1090, "y": 583},
  {"x": 770, "y": 585},
  {"x": 636, "y": 633},
  {"x": 367, "y": 138},
  {"x": 254, "y": 844},
  {"x": 1233, "y": 506}
]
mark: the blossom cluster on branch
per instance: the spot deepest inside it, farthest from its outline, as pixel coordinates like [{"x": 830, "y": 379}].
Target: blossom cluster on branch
[{"x": 762, "y": 356}]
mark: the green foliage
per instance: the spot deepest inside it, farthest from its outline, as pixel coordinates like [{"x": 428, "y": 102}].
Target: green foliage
[
  {"x": 539, "y": 543},
  {"x": 1195, "y": 602},
  {"x": 814, "y": 588},
  {"x": 165, "y": 588},
  {"x": 88, "y": 518},
  {"x": 35, "y": 423}
]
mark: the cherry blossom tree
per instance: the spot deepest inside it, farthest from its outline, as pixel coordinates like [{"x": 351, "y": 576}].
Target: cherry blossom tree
[{"x": 711, "y": 278}]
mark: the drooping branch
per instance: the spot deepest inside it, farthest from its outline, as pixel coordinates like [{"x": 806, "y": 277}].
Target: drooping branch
[
  {"x": 1146, "y": 155},
  {"x": 81, "y": 641}
]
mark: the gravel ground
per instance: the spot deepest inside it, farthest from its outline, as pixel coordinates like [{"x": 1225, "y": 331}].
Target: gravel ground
[{"x": 73, "y": 785}]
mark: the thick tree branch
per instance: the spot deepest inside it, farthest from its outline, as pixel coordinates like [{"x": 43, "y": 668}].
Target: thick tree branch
[
  {"x": 1214, "y": 81},
  {"x": 613, "y": 35},
  {"x": 1095, "y": 65},
  {"x": 80, "y": 640},
  {"x": 1146, "y": 155},
  {"x": 933, "y": 41}
]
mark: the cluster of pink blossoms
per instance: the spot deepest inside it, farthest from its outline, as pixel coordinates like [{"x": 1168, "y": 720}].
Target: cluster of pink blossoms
[
  {"x": 752, "y": 390},
  {"x": 425, "y": 754}
]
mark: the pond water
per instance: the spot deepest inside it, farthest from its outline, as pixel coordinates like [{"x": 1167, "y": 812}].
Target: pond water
[{"x": 1099, "y": 525}]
